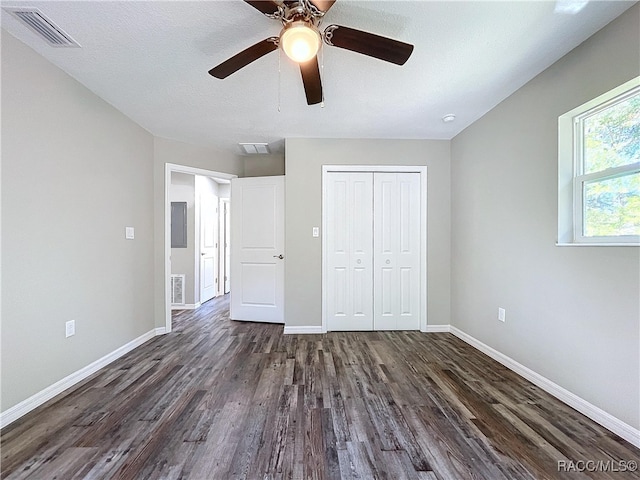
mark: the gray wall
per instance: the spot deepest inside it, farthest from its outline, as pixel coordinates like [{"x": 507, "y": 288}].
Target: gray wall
[
  {"x": 304, "y": 160},
  {"x": 183, "y": 189},
  {"x": 172, "y": 151},
  {"x": 75, "y": 172},
  {"x": 263, "y": 165},
  {"x": 572, "y": 313}
]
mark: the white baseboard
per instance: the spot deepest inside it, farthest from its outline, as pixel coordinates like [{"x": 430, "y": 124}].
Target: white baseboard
[
  {"x": 161, "y": 330},
  {"x": 12, "y": 414},
  {"x": 186, "y": 306},
  {"x": 304, "y": 329},
  {"x": 617, "y": 426},
  {"x": 437, "y": 328}
]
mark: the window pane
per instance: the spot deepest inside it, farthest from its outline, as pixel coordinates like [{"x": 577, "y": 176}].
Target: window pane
[
  {"x": 612, "y": 136},
  {"x": 612, "y": 206}
]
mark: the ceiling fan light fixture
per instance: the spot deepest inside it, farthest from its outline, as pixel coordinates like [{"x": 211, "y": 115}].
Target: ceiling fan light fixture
[{"x": 300, "y": 41}]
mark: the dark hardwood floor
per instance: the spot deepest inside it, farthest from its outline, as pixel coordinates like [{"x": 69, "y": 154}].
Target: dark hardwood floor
[{"x": 219, "y": 399}]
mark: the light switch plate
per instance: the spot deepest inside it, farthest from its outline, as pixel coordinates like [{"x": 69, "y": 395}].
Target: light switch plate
[
  {"x": 129, "y": 233},
  {"x": 316, "y": 231},
  {"x": 70, "y": 328}
]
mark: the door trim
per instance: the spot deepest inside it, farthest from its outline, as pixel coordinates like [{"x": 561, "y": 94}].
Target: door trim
[
  {"x": 222, "y": 241},
  {"x": 169, "y": 168},
  {"x": 422, "y": 170}
]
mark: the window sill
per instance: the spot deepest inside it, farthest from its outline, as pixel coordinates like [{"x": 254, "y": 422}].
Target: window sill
[{"x": 608, "y": 244}]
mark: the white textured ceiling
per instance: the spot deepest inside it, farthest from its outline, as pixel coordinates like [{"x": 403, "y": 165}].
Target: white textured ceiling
[{"x": 150, "y": 60}]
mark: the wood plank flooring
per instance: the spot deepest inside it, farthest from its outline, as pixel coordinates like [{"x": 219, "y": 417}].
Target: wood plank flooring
[{"x": 219, "y": 399}]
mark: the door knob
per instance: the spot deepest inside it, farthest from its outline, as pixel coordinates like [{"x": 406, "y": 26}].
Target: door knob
[{"x": 278, "y": 256}]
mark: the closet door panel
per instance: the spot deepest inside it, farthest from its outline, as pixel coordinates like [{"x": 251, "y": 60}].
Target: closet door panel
[
  {"x": 408, "y": 256},
  {"x": 396, "y": 251},
  {"x": 349, "y": 251},
  {"x": 339, "y": 291},
  {"x": 337, "y": 243}
]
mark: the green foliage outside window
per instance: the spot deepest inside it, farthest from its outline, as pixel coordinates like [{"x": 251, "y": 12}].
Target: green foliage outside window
[{"x": 611, "y": 138}]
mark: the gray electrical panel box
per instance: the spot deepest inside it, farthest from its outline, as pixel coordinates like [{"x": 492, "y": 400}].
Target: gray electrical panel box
[{"x": 178, "y": 224}]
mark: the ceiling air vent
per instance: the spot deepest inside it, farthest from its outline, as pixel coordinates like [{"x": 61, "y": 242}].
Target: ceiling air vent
[
  {"x": 255, "y": 148},
  {"x": 40, "y": 24}
]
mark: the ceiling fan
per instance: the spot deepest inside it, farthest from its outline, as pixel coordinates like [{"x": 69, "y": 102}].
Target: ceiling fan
[{"x": 300, "y": 39}]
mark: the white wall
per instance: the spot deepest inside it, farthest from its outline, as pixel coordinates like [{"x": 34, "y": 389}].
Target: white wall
[
  {"x": 75, "y": 172},
  {"x": 572, "y": 313},
  {"x": 171, "y": 151},
  {"x": 303, "y": 190}
]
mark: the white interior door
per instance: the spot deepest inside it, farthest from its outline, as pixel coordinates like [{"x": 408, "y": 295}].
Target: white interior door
[
  {"x": 257, "y": 249},
  {"x": 349, "y": 251},
  {"x": 396, "y": 292},
  {"x": 208, "y": 246}
]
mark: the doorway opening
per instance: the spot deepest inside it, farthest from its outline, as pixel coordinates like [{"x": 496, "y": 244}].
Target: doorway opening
[{"x": 197, "y": 248}]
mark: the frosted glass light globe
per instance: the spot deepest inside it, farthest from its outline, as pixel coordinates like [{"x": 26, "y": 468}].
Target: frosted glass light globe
[{"x": 300, "y": 42}]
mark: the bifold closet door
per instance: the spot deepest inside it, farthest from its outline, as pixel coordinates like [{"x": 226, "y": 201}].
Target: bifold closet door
[
  {"x": 349, "y": 220},
  {"x": 396, "y": 255}
]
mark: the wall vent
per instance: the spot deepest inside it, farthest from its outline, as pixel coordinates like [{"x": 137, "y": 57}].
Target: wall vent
[
  {"x": 177, "y": 289},
  {"x": 44, "y": 27}
]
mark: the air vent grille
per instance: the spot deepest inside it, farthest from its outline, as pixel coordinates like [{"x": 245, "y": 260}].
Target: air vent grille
[
  {"x": 177, "y": 289},
  {"x": 40, "y": 24},
  {"x": 255, "y": 148}
]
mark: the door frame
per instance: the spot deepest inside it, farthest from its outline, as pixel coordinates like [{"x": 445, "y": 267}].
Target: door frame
[
  {"x": 169, "y": 168},
  {"x": 225, "y": 213},
  {"x": 422, "y": 170}
]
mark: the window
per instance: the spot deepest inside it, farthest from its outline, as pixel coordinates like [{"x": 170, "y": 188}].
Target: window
[{"x": 599, "y": 170}]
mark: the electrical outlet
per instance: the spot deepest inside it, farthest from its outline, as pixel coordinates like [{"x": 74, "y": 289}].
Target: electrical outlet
[
  {"x": 70, "y": 328},
  {"x": 501, "y": 314}
]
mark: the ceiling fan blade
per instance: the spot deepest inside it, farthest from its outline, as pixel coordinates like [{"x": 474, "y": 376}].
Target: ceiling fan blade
[
  {"x": 312, "y": 81},
  {"x": 244, "y": 58},
  {"x": 265, "y": 6},
  {"x": 376, "y": 46},
  {"x": 323, "y": 5}
]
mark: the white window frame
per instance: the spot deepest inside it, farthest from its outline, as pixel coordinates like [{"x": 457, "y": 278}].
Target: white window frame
[{"x": 571, "y": 178}]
